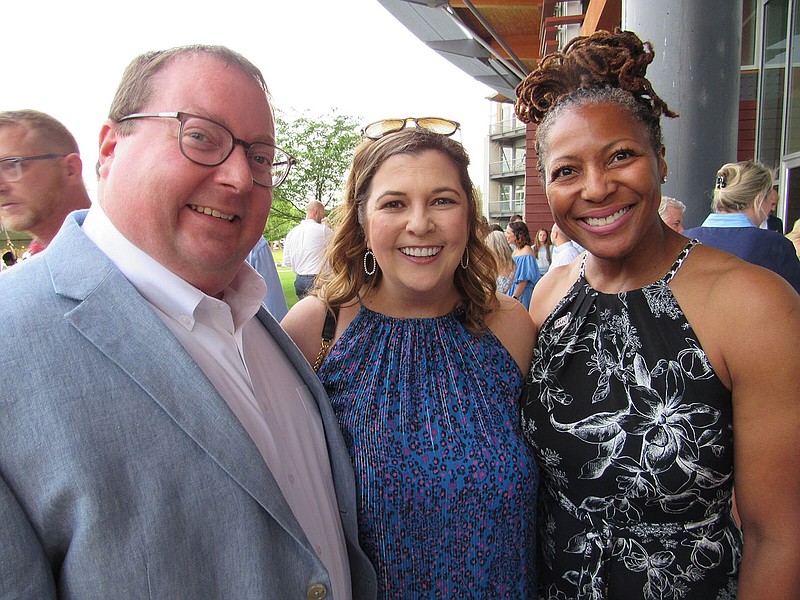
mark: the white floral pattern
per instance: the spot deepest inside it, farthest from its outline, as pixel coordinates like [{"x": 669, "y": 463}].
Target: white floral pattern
[{"x": 633, "y": 434}]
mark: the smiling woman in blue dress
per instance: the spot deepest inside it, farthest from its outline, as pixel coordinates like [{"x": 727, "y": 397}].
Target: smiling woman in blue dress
[
  {"x": 425, "y": 372},
  {"x": 658, "y": 362}
]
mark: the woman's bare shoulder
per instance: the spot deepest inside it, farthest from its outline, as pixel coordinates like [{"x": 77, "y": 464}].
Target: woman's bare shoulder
[
  {"x": 304, "y": 323},
  {"x": 733, "y": 306},
  {"x": 512, "y": 325},
  {"x": 726, "y": 282}
]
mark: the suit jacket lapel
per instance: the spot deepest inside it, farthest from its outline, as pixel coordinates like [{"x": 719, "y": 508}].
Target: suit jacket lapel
[{"x": 111, "y": 314}]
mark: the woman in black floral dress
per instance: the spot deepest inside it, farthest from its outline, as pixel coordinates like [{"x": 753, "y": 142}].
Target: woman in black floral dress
[{"x": 659, "y": 362}]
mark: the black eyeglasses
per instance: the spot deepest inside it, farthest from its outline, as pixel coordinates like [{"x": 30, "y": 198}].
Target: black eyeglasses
[
  {"x": 208, "y": 143},
  {"x": 11, "y": 168},
  {"x": 378, "y": 129}
]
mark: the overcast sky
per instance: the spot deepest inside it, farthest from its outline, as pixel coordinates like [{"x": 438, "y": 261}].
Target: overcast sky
[{"x": 66, "y": 59}]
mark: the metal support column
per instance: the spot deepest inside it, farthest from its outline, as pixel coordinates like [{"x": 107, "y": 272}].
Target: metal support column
[{"x": 696, "y": 71}]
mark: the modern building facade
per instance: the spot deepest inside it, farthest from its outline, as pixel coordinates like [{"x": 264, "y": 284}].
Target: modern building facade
[
  {"x": 735, "y": 80},
  {"x": 770, "y": 94},
  {"x": 504, "y": 192}
]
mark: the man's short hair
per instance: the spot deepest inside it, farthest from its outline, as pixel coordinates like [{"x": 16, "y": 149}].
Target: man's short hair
[
  {"x": 136, "y": 89},
  {"x": 48, "y": 131}
]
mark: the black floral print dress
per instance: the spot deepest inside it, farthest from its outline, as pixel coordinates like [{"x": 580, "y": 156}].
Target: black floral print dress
[{"x": 633, "y": 434}]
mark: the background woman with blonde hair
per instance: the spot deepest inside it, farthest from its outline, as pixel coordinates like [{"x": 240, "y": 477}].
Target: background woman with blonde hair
[
  {"x": 496, "y": 240},
  {"x": 743, "y": 194},
  {"x": 794, "y": 236}
]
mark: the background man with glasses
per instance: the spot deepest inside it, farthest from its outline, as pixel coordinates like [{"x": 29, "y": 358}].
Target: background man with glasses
[
  {"x": 170, "y": 441},
  {"x": 41, "y": 178}
]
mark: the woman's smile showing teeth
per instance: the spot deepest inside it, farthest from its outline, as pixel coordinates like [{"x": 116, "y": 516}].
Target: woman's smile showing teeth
[
  {"x": 424, "y": 252},
  {"x": 211, "y": 212},
  {"x": 599, "y": 222}
]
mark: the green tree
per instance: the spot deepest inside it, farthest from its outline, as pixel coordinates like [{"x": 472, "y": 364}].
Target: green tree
[{"x": 323, "y": 147}]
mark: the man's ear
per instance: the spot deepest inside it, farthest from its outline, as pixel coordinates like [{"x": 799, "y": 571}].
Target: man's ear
[
  {"x": 108, "y": 143},
  {"x": 73, "y": 166}
]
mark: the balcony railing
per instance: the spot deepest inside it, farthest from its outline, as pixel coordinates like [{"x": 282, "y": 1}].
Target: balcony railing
[
  {"x": 506, "y": 208},
  {"x": 506, "y": 167},
  {"x": 504, "y": 127}
]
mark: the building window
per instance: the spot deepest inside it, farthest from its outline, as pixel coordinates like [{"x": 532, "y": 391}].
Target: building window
[
  {"x": 506, "y": 190},
  {"x": 749, "y": 34},
  {"x": 773, "y": 77},
  {"x": 519, "y": 196},
  {"x": 793, "y": 112}
]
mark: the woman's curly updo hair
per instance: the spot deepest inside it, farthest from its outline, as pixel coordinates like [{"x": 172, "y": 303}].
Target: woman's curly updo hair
[
  {"x": 345, "y": 279},
  {"x": 601, "y": 68}
]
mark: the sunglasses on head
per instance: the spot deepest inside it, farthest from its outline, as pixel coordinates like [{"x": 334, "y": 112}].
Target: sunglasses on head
[{"x": 378, "y": 129}]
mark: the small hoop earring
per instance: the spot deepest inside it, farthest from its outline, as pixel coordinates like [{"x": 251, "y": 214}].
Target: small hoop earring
[
  {"x": 369, "y": 272},
  {"x": 464, "y": 263}
]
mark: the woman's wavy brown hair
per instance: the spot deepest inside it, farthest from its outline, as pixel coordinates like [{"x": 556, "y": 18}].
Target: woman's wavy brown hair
[
  {"x": 602, "y": 67},
  {"x": 344, "y": 280}
]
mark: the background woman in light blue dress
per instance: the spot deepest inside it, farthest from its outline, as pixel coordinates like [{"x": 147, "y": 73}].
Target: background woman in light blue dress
[{"x": 527, "y": 272}]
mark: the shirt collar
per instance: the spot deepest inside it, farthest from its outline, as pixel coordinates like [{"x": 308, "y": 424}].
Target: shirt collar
[
  {"x": 727, "y": 220},
  {"x": 161, "y": 287}
]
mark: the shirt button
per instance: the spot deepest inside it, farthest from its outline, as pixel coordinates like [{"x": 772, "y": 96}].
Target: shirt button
[
  {"x": 316, "y": 592},
  {"x": 186, "y": 321},
  {"x": 291, "y": 478}
]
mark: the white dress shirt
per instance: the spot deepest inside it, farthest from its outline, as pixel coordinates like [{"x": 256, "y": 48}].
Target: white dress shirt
[
  {"x": 304, "y": 248},
  {"x": 253, "y": 376},
  {"x": 564, "y": 254}
]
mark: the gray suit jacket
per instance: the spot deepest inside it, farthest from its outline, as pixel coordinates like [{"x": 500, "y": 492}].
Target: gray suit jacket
[{"x": 123, "y": 473}]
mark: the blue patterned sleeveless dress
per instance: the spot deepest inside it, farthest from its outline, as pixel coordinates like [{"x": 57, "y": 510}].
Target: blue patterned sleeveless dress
[
  {"x": 633, "y": 434},
  {"x": 446, "y": 484}
]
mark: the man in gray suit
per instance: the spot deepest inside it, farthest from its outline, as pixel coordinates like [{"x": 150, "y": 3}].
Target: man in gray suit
[{"x": 161, "y": 436}]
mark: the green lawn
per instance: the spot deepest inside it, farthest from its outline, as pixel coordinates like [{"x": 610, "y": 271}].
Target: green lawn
[{"x": 287, "y": 279}]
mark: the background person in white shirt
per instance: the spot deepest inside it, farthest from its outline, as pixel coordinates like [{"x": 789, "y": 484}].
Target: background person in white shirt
[
  {"x": 304, "y": 248},
  {"x": 564, "y": 251}
]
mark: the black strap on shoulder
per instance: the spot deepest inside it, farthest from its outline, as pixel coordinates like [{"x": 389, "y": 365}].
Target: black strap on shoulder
[
  {"x": 328, "y": 329},
  {"x": 330, "y": 323}
]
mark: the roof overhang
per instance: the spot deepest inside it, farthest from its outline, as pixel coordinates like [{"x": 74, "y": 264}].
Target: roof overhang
[
  {"x": 498, "y": 42},
  {"x": 459, "y": 32}
]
